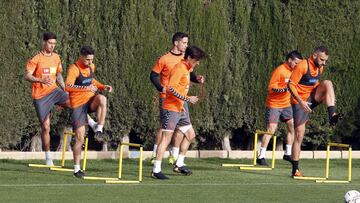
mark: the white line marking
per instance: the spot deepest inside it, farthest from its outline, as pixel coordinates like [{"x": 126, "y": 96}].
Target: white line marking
[{"x": 171, "y": 184}]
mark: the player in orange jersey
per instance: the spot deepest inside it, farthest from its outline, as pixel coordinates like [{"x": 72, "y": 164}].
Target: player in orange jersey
[
  {"x": 278, "y": 106},
  {"x": 82, "y": 88},
  {"x": 176, "y": 113},
  {"x": 162, "y": 69},
  {"x": 307, "y": 92},
  {"x": 44, "y": 72}
]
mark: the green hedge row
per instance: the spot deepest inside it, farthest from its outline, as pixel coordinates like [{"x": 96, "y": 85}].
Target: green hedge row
[{"x": 246, "y": 39}]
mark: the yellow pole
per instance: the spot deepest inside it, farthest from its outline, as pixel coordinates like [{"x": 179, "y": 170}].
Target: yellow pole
[
  {"x": 327, "y": 161},
  {"x": 140, "y": 164},
  {"x": 120, "y": 160},
  {"x": 350, "y": 163},
  {"x": 338, "y": 145},
  {"x": 255, "y": 147},
  {"x": 64, "y": 150},
  {"x": 85, "y": 153},
  {"x": 273, "y": 153}
]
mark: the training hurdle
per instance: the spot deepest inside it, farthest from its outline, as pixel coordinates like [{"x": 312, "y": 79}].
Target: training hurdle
[
  {"x": 327, "y": 167},
  {"x": 61, "y": 167},
  {"x": 118, "y": 180},
  {"x": 253, "y": 166}
]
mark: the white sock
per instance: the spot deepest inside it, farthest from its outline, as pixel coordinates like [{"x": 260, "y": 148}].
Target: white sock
[
  {"x": 157, "y": 166},
  {"x": 76, "y": 168},
  {"x": 92, "y": 123},
  {"x": 175, "y": 152},
  {"x": 262, "y": 152},
  {"x": 99, "y": 128},
  {"x": 48, "y": 155},
  {"x": 180, "y": 160},
  {"x": 288, "y": 149},
  {"x": 154, "y": 150}
]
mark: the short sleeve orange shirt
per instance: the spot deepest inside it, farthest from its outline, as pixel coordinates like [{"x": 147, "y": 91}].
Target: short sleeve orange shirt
[{"x": 44, "y": 67}]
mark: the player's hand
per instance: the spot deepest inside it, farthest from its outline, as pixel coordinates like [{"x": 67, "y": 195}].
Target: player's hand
[
  {"x": 46, "y": 81},
  {"x": 200, "y": 79},
  {"x": 305, "y": 106},
  {"x": 108, "y": 88},
  {"x": 92, "y": 88},
  {"x": 193, "y": 99}
]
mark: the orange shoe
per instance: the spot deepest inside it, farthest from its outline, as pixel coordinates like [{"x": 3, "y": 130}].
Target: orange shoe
[{"x": 297, "y": 173}]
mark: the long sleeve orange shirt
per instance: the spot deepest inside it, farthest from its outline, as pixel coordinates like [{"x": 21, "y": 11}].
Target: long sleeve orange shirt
[
  {"x": 178, "y": 87},
  {"x": 300, "y": 90},
  {"x": 278, "y": 96},
  {"x": 80, "y": 95}
]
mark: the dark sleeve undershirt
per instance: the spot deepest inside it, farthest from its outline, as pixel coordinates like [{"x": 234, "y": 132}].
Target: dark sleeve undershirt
[{"x": 154, "y": 77}]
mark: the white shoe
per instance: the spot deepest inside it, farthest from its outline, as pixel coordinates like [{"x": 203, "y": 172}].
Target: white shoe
[{"x": 49, "y": 162}]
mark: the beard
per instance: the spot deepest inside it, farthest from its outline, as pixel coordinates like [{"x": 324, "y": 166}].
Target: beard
[{"x": 316, "y": 63}]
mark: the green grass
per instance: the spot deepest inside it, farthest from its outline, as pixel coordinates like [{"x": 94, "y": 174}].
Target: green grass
[{"x": 209, "y": 183}]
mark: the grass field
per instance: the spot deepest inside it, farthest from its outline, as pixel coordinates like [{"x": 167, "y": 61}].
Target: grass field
[{"x": 209, "y": 183}]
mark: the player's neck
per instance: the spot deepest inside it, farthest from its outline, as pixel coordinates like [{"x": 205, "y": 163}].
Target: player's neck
[
  {"x": 46, "y": 53},
  {"x": 175, "y": 51}
]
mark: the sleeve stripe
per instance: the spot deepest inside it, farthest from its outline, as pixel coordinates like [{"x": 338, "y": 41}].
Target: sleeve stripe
[
  {"x": 176, "y": 94},
  {"x": 76, "y": 86}
]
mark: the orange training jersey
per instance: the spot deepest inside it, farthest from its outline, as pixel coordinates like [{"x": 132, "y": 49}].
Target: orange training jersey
[
  {"x": 164, "y": 65},
  {"x": 42, "y": 67},
  {"x": 300, "y": 70},
  {"x": 179, "y": 83},
  {"x": 279, "y": 79},
  {"x": 80, "y": 95}
]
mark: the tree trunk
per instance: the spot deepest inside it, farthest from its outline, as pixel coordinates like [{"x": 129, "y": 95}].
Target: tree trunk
[
  {"x": 104, "y": 147},
  {"x": 68, "y": 144},
  {"x": 226, "y": 143},
  {"x": 36, "y": 144}
]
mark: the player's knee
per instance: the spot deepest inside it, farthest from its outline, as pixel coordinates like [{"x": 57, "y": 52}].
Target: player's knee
[
  {"x": 45, "y": 126},
  {"x": 101, "y": 99},
  {"x": 328, "y": 84}
]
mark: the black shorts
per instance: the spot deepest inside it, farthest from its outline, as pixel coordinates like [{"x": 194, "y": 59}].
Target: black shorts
[
  {"x": 44, "y": 105},
  {"x": 79, "y": 114}
]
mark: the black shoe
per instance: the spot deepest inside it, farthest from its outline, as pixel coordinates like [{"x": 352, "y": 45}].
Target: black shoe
[
  {"x": 183, "y": 170},
  {"x": 335, "y": 119},
  {"x": 159, "y": 176},
  {"x": 261, "y": 162},
  {"x": 80, "y": 174},
  {"x": 287, "y": 158},
  {"x": 100, "y": 136}
]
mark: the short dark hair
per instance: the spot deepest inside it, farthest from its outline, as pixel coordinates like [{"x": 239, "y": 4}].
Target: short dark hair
[
  {"x": 86, "y": 50},
  {"x": 178, "y": 36},
  {"x": 294, "y": 55},
  {"x": 322, "y": 48},
  {"x": 48, "y": 35},
  {"x": 195, "y": 53}
]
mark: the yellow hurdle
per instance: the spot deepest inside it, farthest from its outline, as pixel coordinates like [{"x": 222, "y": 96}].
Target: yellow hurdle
[
  {"x": 118, "y": 180},
  {"x": 252, "y": 166},
  {"x": 327, "y": 166},
  {"x": 62, "y": 167},
  {"x": 66, "y": 134}
]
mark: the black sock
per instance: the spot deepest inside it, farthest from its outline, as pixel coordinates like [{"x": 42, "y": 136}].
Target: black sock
[
  {"x": 331, "y": 111},
  {"x": 295, "y": 166}
]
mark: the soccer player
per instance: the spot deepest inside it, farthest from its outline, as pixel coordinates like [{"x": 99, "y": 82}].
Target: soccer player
[
  {"x": 82, "y": 88},
  {"x": 307, "y": 92},
  {"x": 43, "y": 70},
  {"x": 176, "y": 113},
  {"x": 161, "y": 70},
  {"x": 278, "y": 106}
]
